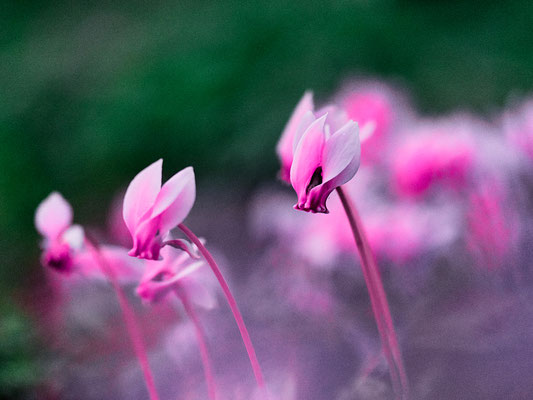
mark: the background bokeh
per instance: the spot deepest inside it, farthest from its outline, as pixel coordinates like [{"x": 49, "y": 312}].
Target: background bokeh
[{"x": 94, "y": 91}]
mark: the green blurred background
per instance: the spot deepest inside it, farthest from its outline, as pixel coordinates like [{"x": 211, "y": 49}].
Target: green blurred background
[{"x": 94, "y": 91}]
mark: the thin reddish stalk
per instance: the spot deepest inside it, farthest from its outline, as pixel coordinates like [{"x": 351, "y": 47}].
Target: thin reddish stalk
[
  {"x": 233, "y": 305},
  {"x": 202, "y": 345},
  {"x": 130, "y": 320},
  {"x": 378, "y": 300}
]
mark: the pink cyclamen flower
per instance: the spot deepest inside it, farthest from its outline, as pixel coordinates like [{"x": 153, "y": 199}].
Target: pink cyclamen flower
[
  {"x": 53, "y": 219},
  {"x": 177, "y": 271},
  {"x": 151, "y": 210},
  {"x": 324, "y": 159}
]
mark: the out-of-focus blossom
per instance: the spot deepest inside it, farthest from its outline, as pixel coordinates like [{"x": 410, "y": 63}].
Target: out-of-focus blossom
[
  {"x": 518, "y": 128},
  {"x": 151, "y": 210},
  {"x": 177, "y": 271},
  {"x": 323, "y": 160},
  {"x": 396, "y": 232},
  {"x": 87, "y": 264},
  {"x": 491, "y": 230},
  {"x": 53, "y": 220},
  {"x": 431, "y": 156},
  {"x": 372, "y": 110}
]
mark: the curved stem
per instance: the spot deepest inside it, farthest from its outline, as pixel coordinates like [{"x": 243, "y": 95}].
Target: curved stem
[
  {"x": 129, "y": 318},
  {"x": 378, "y": 300},
  {"x": 232, "y": 303},
  {"x": 200, "y": 337}
]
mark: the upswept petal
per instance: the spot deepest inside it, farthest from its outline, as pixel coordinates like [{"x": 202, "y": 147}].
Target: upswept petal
[
  {"x": 307, "y": 156},
  {"x": 336, "y": 118},
  {"x": 284, "y": 147},
  {"x": 74, "y": 237},
  {"x": 53, "y": 216},
  {"x": 340, "y": 150},
  {"x": 175, "y": 200},
  {"x": 307, "y": 119},
  {"x": 141, "y": 194}
]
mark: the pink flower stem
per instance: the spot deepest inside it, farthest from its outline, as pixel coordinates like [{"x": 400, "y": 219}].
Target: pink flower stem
[
  {"x": 378, "y": 300},
  {"x": 233, "y": 305},
  {"x": 200, "y": 337},
  {"x": 130, "y": 320}
]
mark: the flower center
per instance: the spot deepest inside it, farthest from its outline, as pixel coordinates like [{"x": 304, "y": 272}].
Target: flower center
[{"x": 316, "y": 180}]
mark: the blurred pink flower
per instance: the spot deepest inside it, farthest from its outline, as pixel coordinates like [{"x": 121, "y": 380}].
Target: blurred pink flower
[
  {"x": 490, "y": 228},
  {"x": 151, "y": 211},
  {"x": 518, "y": 128},
  {"x": 323, "y": 161},
  {"x": 126, "y": 269},
  {"x": 431, "y": 155},
  {"x": 177, "y": 271},
  {"x": 370, "y": 108},
  {"x": 53, "y": 220}
]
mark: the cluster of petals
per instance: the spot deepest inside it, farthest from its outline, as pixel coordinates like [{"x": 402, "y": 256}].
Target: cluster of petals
[{"x": 150, "y": 210}]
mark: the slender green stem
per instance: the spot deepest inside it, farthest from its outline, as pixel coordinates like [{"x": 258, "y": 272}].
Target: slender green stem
[{"x": 378, "y": 300}]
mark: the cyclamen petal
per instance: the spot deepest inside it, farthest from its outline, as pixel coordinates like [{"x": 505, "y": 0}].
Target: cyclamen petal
[
  {"x": 141, "y": 194},
  {"x": 175, "y": 200},
  {"x": 157, "y": 209},
  {"x": 284, "y": 149},
  {"x": 340, "y": 150},
  {"x": 74, "y": 237},
  {"x": 307, "y": 119},
  {"x": 307, "y": 156},
  {"x": 53, "y": 216}
]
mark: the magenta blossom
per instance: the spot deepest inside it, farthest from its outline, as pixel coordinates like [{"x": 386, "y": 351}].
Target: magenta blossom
[
  {"x": 518, "y": 128},
  {"x": 491, "y": 227},
  {"x": 324, "y": 159},
  {"x": 177, "y": 271},
  {"x": 370, "y": 108},
  {"x": 429, "y": 157},
  {"x": 151, "y": 211},
  {"x": 53, "y": 220}
]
